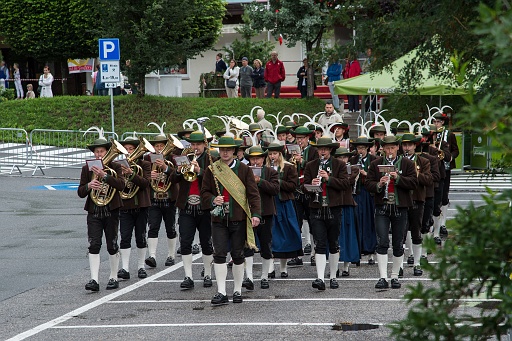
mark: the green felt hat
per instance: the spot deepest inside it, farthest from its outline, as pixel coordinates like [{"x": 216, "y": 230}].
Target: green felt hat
[
  {"x": 275, "y": 147},
  {"x": 363, "y": 141},
  {"x": 302, "y": 131},
  {"x": 390, "y": 140},
  {"x": 408, "y": 137},
  {"x": 183, "y": 132},
  {"x": 196, "y": 136},
  {"x": 255, "y": 151},
  {"x": 130, "y": 140},
  {"x": 225, "y": 142},
  {"x": 342, "y": 151},
  {"x": 101, "y": 142},
  {"x": 326, "y": 141}
]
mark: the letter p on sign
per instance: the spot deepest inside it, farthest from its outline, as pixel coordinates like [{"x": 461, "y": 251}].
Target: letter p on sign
[{"x": 109, "y": 49}]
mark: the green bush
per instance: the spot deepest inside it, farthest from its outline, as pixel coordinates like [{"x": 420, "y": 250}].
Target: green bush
[{"x": 7, "y": 94}]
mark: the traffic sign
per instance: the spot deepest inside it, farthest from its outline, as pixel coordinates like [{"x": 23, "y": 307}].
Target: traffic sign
[
  {"x": 109, "y": 49},
  {"x": 110, "y": 85},
  {"x": 109, "y": 72}
]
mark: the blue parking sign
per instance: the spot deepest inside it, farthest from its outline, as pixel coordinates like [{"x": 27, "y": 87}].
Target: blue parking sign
[{"x": 109, "y": 49}]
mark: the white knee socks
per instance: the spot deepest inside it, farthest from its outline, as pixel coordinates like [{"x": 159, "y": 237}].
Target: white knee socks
[
  {"x": 152, "y": 244},
  {"x": 207, "y": 263},
  {"x": 141, "y": 253},
  {"x": 397, "y": 264},
  {"x": 321, "y": 262},
  {"x": 172, "y": 247},
  {"x": 382, "y": 262},
  {"x": 94, "y": 264},
  {"x": 221, "y": 272},
  {"x": 238, "y": 277},
  {"x": 187, "y": 264},
  {"x": 249, "y": 261},
  {"x": 114, "y": 265},
  {"x": 283, "y": 265},
  {"x": 125, "y": 257},
  {"x": 333, "y": 264},
  {"x": 265, "y": 267}
]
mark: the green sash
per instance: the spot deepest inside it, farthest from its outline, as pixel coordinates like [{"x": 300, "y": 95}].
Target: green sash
[{"x": 232, "y": 183}]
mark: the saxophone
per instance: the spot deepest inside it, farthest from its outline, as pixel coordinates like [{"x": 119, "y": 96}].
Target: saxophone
[
  {"x": 104, "y": 195},
  {"x": 131, "y": 189}
]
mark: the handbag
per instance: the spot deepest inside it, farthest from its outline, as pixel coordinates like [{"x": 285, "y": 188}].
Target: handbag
[
  {"x": 231, "y": 84},
  {"x": 326, "y": 80}
]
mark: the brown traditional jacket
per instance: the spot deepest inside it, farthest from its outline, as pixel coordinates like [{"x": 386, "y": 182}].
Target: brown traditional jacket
[
  {"x": 173, "y": 189},
  {"x": 337, "y": 184},
  {"x": 236, "y": 212},
  {"x": 422, "y": 167},
  {"x": 116, "y": 182},
  {"x": 434, "y": 170},
  {"x": 288, "y": 179},
  {"x": 404, "y": 184},
  {"x": 268, "y": 187},
  {"x": 142, "y": 198}
]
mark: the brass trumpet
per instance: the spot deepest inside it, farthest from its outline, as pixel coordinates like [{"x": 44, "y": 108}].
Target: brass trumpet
[{"x": 188, "y": 171}]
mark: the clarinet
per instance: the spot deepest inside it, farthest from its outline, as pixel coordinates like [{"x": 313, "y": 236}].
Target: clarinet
[
  {"x": 386, "y": 189},
  {"x": 320, "y": 167},
  {"x": 360, "y": 164}
]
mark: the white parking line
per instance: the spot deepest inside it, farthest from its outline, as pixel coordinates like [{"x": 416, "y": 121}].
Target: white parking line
[
  {"x": 94, "y": 304},
  {"x": 223, "y": 324}
]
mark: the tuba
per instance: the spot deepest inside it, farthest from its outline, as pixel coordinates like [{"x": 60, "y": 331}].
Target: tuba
[
  {"x": 130, "y": 189},
  {"x": 163, "y": 182},
  {"x": 188, "y": 170},
  {"x": 102, "y": 196}
]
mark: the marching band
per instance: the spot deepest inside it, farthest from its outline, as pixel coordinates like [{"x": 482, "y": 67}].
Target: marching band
[{"x": 255, "y": 189}]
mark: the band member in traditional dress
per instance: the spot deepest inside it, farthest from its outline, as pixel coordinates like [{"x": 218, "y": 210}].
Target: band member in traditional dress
[
  {"x": 339, "y": 131},
  {"x": 268, "y": 185},
  {"x": 330, "y": 176},
  {"x": 349, "y": 244},
  {"x": 229, "y": 189},
  {"x": 377, "y": 132},
  {"x": 286, "y": 238},
  {"x": 445, "y": 135},
  {"x": 302, "y": 135},
  {"x": 415, "y": 212},
  {"x": 365, "y": 209},
  {"x": 192, "y": 215},
  {"x": 392, "y": 200},
  {"x": 290, "y": 139},
  {"x": 133, "y": 216},
  {"x": 163, "y": 200},
  {"x": 103, "y": 218}
]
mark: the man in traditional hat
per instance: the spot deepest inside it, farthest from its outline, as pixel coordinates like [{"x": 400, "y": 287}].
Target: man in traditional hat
[
  {"x": 443, "y": 134},
  {"x": 415, "y": 212},
  {"x": 331, "y": 177},
  {"x": 339, "y": 131},
  {"x": 253, "y": 128},
  {"x": 308, "y": 153},
  {"x": 330, "y": 116},
  {"x": 133, "y": 216},
  {"x": 268, "y": 186},
  {"x": 101, "y": 219},
  {"x": 193, "y": 216},
  {"x": 290, "y": 139},
  {"x": 365, "y": 209},
  {"x": 229, "y": 189},
  {"x": 163, "y": 199},
  {"x": 391, "y": 185},
  {"x": 377, "y": 132}
]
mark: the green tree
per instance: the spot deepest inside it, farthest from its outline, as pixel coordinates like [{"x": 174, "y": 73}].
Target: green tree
[
  {"x": 476, "y": 262},
  {"x": 155, "y": 34},
  {"x": 49, "y": 30},
  {"x": 304, "y": 21}
]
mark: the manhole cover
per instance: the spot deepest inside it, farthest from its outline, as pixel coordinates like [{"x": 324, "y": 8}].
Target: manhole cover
[{"x": 346, "y": 326}]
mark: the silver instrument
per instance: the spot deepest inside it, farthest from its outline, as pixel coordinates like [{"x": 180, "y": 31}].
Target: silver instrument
[
  {"x": 386, "y": 189},
  {"x": 360, "y": 165},
  {"x": 320, "y": 168}
]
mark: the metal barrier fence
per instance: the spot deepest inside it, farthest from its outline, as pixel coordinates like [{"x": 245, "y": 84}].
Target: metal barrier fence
[
  {"x": 148, "y": 136},
  {"x": 14, "y": 148},
  {"x": 61, "y": 148}
]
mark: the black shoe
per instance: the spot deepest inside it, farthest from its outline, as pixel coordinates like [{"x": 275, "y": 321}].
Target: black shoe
[
  {"x": 284, "y": 275},
  {"x": 202, "y": 273},
  {"x": 112, "y": 284},
  {"x": 423, "y": 260},
  {"x": 123, "y": 274},
  {"x": 318, "y": 284},
  {"x": 345, "y": 274},
  {"x": 371, "y": 261},
  {"x": 187, "y": 283},
  {"x": 395, "y": 284},
  {"x": 313, "y": 262},
  {"x": 179, "y": 251},
  {"x": 230, "y": 264},
  {"x": 357, "y": 263},
  {"x": 410, "y": 260},
  {"x": 92, "y": 285},
  {"x": 195, "y": 249},
  {"x": 207, "y": 282},
  {"x": 237, "y": 297},
  {"x": 295, "y": 262},
  {"x": 418, "y": 271},
  {"x": 272, "y": 274},
  {"x": 382, "y": 284},
  {"x": 443, "y": 230},
  {"x": 142, "y": 273},
  {"x": 333, "y": 283},
  {"x": 219, "y": 299},
  {"x": 437, "y": 240},
  {"x": 248, "y": 284},
  {"x": 264, "y": 283},
  {"x": 401, "y": 273},
  {"x": 307, "y": 249},
  {"x": 169, "y": 261},
  {"x": 151, "y": 261}
]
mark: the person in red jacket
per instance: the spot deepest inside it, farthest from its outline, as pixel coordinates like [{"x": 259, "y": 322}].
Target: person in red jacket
[
  {"x": 352, "y": 69},
  {"x": 274, "y": 75}
]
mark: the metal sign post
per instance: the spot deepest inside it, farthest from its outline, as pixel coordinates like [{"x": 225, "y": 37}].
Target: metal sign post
[{"x": 110, "y": 53}]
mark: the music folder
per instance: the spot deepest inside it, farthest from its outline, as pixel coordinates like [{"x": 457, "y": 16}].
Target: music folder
[
  {"x": 387, "y": 168},
  {"x": 94, "y": 162},
  {"x": 313, "y": 188}
]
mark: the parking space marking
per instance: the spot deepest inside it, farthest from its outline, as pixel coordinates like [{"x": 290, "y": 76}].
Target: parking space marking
[
  {"x": 223, "y": 324},
  {"x": 98, "y": 302}
]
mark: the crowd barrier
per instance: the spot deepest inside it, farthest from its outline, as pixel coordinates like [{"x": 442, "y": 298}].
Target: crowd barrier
[{"x": 14, "y": 148}]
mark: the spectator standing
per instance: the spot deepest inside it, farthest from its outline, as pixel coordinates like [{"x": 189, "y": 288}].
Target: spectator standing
[
  {"x": 4, "y": 75},
  {"x": 45, "y": 81},
  {"x": 274, "y": 75},
  {"x": 352, "y": 69},
  {"x": 17, "y": 81},
  {"x": 368, "y": 61},
  {"x": 302, "y": 75},
  {"x": 334, "y": 74},
  {"x": 260, "y": 115},
  {"x": 258, "y": 78},
  {"x": 220, "y": 64},
  {"x": 100, "y": 87},
  {"x": 246, "y": 78},
  {"x": 231, "y": 74},
  {"x": 30, "y": 92},
  {"x": 330, "y": 116}
]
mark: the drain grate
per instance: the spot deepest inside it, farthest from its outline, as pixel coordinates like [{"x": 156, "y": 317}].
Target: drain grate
[{"x": 354, "y": 327}]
